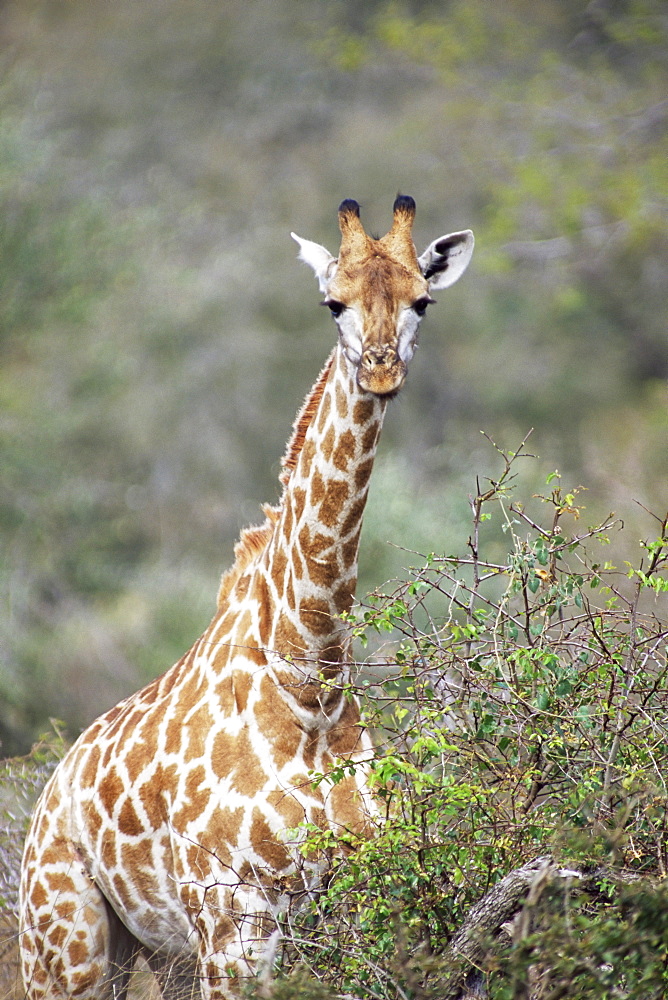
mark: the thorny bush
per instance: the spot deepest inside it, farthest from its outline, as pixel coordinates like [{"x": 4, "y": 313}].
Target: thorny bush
[{"x": 520, "y": 712}]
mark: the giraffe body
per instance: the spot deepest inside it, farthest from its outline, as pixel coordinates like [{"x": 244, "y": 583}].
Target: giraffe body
[{"x": 171, "y": 827}]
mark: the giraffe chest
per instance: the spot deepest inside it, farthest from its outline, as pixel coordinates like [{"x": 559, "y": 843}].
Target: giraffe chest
[
  {"x": 218, "y": 847},
  {"x": 213, "y": 813}
]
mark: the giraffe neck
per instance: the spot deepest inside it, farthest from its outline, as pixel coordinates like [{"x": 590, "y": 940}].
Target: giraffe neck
[{"x": 310, "y": 564}]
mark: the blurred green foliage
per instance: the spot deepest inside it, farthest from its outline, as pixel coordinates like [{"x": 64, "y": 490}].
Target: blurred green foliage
[{"x": 157, "y": 334}]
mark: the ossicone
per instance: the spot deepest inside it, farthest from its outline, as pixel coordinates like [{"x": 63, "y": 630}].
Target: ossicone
[
  {"x": 404, "y": 205},
  {"x": 349, "y": 207},
  {"x": 354, "y": 239}
]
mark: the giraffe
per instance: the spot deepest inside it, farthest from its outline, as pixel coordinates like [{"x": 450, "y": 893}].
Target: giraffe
[{"x": 171, "y": 829}]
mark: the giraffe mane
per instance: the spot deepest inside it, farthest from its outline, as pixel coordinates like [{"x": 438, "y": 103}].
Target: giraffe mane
[
  {"x": 303, "y": 421},
  {"x": 254, "y": 540}
]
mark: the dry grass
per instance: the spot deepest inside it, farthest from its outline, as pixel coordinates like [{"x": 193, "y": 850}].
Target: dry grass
[{"x": 10, "y": 977}]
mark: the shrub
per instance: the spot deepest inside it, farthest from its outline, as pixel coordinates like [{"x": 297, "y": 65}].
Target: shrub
[{"x": 521, "y": 736}]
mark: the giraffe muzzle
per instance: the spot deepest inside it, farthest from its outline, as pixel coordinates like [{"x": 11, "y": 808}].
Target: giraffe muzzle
[{"x": 381, "y": 371}]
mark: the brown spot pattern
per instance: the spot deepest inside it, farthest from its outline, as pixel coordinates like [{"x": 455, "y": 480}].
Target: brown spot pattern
[
  {"x": 277, "y": 723},
  {"x": 241, "y": 683},
  {"x": 151, "y": 793},
  {"x": 124, "y": 893},
  {"x": 333, "y": 501},
  {"x": 174, "y": 730},
  {"x": 323, "y": 574},
  {"x": 222, "y": 932},
  {"x": 38, "y": 896},
  {"x": 349, "y": 550},
  {"x": 233, "y": 757},
  {"x": 306, "y": 458},
  {"x": 341, "y": 402},
  {"x": 363, "y": 474},
  {"x": 225, "y": 698},
  {"x": 370, "y": 436},
  {"x": 299, "y": 502},
  {"x": 108, "y": 848},
  {"x": 278, "y": 566},
  {"x": 320, "y": 543},
  {"x": 343, "y": 597},
  {"x": 136, "y": 856},
  {"x": 290, "y": 594},
  {"x": 324, "y": 412},
  {"x": 57, "y": 936},
  {"x": 199, "y": 725},
  {"x": 363, "y": 411},
  {"x": 110, "y": 789},
  {"x": 265, "y": 843},
  {"x": 66, "y": 910},
  {"x": 316, "y": 616},
  {"x": 94, "y": 820},
  {"x": 287, "y": 519},
  {"x": 265, "y": 606},
  {"x": 287, "y": 807},
  {"x": 89, "y": 772},
  {"x": 345, "y": 805},
  {"x": 196, "y": 799},
  {"x": 329, "y": 440},
  {"x": 254, "y": 654},
  {"x": 59, "y": 882},
  {"x": 288, "y": 641},
  {"x": 354, "y": 515},
  {"x": 77, "y": 953},
  {"x": 224, "y": 826},
  {"x": 135, "y": 760},
  {"x": 345, "y": 737},
  {"x": 344, "y": 452},
  {"x": 317, "y": 490},
  {"x": 131, "y": 725},
  {"x": 128, "y": 820}
]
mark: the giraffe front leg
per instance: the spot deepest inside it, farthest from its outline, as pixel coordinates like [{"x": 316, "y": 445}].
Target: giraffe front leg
[
  {"x": 72, "y": 943},
  {"x": 225, "y": 967},
  {"x": 233, "y": 945},
  {"x": 176, "y": 977}
]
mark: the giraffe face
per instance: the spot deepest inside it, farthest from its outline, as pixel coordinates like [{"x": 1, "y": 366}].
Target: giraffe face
[
  {"x": 379, "y": 290},
  {"x": 377, "y": 304}
]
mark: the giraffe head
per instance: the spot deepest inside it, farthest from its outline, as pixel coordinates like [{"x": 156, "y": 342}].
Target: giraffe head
[{"x": 378, "y": 290}]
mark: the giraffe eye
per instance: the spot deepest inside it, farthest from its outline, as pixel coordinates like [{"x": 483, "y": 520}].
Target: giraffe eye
[
  {"x": 336, "y": 308},
  {"x": 420, "y": 306}
]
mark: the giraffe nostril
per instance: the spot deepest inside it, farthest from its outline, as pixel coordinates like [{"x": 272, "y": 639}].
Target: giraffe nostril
[{"x": 386, "y": 357}]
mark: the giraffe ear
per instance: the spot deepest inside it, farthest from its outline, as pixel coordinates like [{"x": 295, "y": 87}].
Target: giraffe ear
[
  {"x": 446, "y": 259},
  {"x": 317, "y": 257}
]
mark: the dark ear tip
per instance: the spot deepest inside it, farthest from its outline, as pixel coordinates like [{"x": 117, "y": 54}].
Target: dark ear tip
[
  {"x": 348, "y": 206},
  {"x": 404, "y": 203},
  {"x": 451, "y": 241}
]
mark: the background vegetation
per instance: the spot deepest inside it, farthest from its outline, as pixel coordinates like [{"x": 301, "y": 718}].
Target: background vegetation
[{"x": 157, "y": 336}]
